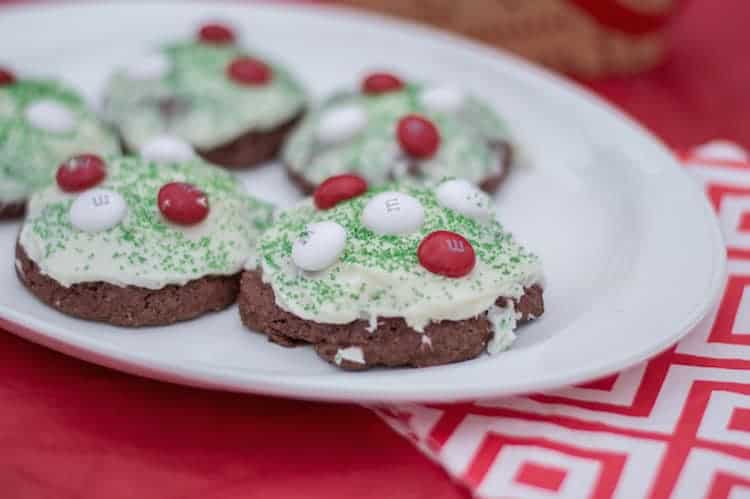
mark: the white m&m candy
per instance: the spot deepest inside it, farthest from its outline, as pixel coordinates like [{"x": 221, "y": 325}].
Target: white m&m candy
[
  {"x": 341, "y": 123},
  {"x": 167, "y": 149},
  {"x": 443, "y": 99},
  {"x": 97, "y": 210},
  {"x": 50, "y": 116},
  {"x": 149, "y": 67},
  {"x": 393, "y": 213},
  {"x": 464, "y": 197},
  {"x": 320, "y": 246}
]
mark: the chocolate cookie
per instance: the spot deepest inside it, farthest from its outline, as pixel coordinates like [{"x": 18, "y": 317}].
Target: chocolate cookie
[
  {"x": 394, "y": 344},
  {"x": 139, "y": 242},
  {"x": 130, "y": 306},
  {"x": 391, "y": 129},
  {"x": 42, "y": 124},
  {"x": 400, "y": 275},
  {"x": 234, "y": 108}
]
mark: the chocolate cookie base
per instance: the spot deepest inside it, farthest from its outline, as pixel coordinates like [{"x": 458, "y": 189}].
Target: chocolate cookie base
[
  {"x": 393, "y": 344},
  {"x": 251, "y": 148},
  {"x": 9, "y": 211},
  {"x": 129, "y": 306},
  {"x": 489, "y": 184}
]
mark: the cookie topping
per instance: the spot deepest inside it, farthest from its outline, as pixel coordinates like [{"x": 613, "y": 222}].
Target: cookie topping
[
  {"x": 446, "y": 253},
  {"x": 145, "y": 249},
  {"x": 150, "y": 67},
  {"x": 443, "y": 99},
  {"x": 341, "y": 124},
  {"x": 81, "y": 172},
  {"x": 183, "y": 203},
  {"x": 319, "y": 246},
  {"x": 418, "y": 136},
  {"x": 462, "y": 196},
  {"x": 249, "y": 71},
  {"x": 51, "y": 116},
  {"x": 337, "y": 189},
  {"x": 167, "y": 149},
  {"x": 97, "y": 210},
  {"x": 380, "y": 83},
  {"x": 214, "y": 33},
  {"x": 381, "y": 275},
  {"x": 393, "y": 213},
  {"x": 6, "y": 77}
]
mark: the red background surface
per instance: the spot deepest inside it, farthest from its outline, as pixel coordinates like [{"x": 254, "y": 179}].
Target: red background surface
[{"x": 72, "y": 430}]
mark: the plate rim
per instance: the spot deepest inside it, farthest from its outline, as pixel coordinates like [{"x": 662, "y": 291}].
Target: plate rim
[{"x": 31, "y": 328}]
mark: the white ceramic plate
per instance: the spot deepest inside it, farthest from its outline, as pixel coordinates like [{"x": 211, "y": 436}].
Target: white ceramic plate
[{"x": 633, "y": 255}]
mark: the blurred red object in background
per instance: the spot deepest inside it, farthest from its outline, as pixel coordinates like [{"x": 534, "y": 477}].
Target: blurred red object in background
[
  {"x": 583, "y": 37},
  {"x": 700, "y": 91}
]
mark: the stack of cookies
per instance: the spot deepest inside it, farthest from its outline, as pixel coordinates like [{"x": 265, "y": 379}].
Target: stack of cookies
[{"x": 132, "y": 217}]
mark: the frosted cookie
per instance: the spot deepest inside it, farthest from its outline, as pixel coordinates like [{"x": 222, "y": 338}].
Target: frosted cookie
[
  {"x": 390, "y": 129},
  {"x": 42, "y": 123},
  {"x": 136, "y": 242},
  {"x": 399, "y": 275},
  {"x": 233, "y": 107}
]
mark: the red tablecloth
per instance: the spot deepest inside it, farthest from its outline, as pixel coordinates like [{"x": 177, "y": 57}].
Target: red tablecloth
[{"x": 72, "y": 430}]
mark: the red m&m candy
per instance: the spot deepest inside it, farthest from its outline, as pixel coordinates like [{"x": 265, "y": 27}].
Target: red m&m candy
[
  {"x": 249, "y": 71},
  {"x": 81, "y": 172},
  {"x": 380, "y": 83},
  {"x": 446, "y": 253},
  {"x": 7, "y": 77},
  {"x": 418, "y": 136},
  {"x": 218, "y": 34},
  {"x": 183, "y": 203},
  {"x": 339, "y": 188}
]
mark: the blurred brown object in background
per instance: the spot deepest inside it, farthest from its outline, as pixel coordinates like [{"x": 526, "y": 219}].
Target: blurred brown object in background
[{"x": 582, "y": 37}]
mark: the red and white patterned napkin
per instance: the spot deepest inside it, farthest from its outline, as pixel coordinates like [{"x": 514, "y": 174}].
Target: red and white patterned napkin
[{"x": 676, "y": 426}]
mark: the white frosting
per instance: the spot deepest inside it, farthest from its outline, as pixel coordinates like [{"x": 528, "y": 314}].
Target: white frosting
[
  {"x": 341, "y": 123},
  {"x": 352, "y": 354},
  {"x": 167, "y": 149},
  {"x": 143, "y": 250},
  {"x": 319, "y": 247},
  {"x": 51, "y": 116},
  {"x": 464, "y": 197},
  {"x": 393, "y": 213},
  {"x": 150, "y": 67},
  {"x": 97, "y": 209},
  {"x": 443, "y": 98}
]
